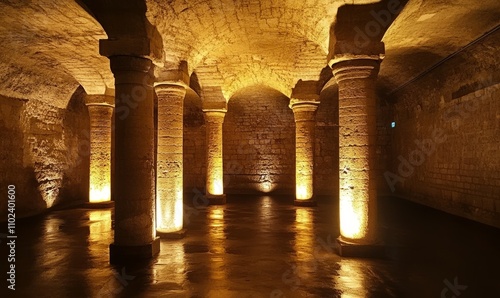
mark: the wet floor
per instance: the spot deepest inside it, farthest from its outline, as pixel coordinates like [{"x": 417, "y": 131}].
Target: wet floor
[{"x": 260, "y": 247}]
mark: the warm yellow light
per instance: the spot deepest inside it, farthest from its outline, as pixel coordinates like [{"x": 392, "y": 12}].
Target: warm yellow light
[
  {"x": 303, "y": 216},
  {"x": 303, "y": 192},
  {"x": 217, "y": 237},
  {"x": 352, "y": 279},
  {"x": 304, "y": 243},
  {"x": 169, "y": 213},
  {"x": 266, "y": 186},
  {"x": 217, "y": 246},
  {"x": 353, "y": 217},
  {"x": 99, "y": 193},
  {"x": 49, "y": 195},
  {"x": 100, "y": 224},
  {"x": 216, "y": 214},
  {"x": 217, "y": 187},
  {"x": 100, "y": 152}
]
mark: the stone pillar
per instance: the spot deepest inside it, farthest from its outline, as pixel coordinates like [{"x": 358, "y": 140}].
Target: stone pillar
[
  {"x": 305, "y": 123},
  {"x": 100, "y": 109},
  {"x": 214, "y": 118},
  {"x": 356, "y": 76},
  {"x": 169, "y": 183},
  {"x": 134, "y": 184}
]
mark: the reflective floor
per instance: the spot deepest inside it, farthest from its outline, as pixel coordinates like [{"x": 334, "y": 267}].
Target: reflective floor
[{"x": 261, "y": 247}]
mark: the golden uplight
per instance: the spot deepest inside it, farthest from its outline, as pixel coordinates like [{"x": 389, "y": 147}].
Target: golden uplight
[{"x": 169, "y": 212}]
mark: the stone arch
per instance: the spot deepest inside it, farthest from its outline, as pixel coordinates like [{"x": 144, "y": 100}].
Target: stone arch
[{"x": 259, "y": 142}]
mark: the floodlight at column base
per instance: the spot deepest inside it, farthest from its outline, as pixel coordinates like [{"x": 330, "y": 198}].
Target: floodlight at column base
[
  {"x": 305, "y": 203},
  {"x": 349, "y": 249},
  {"x": 172, "y": 235},
  {"x": 99, "y": 205},
  {"x": 216, "y": 199}
]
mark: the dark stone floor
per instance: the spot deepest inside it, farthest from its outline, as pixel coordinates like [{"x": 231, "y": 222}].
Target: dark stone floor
[{"x": 260, "y": 247}]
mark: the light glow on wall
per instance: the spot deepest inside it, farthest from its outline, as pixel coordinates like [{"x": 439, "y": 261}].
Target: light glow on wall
[
  {"x": 169, "y": 212},
  {"x": 266, "y": 186}
]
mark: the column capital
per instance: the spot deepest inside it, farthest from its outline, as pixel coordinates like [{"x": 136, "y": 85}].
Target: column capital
[
  {"x": 361, "y": 68},
  {"x": 170, "y": 87},
  {"x": 99, "y": 100},
  {"x": 303, "y": 105},
  {"x": 303, "y": 110},
  {"x": 132, "y": 70},
  {"x": 214, "y": 115},
  {"x": 347, "y": 64}
]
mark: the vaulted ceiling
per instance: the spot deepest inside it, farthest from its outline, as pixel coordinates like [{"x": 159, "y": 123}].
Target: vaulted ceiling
[{"x": 49, "y": 48}]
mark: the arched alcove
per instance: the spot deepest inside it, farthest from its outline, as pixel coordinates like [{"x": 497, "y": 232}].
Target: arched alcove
[{"x": 259, "y": 142}]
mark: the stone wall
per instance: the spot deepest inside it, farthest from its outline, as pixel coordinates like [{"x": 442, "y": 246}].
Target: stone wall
[
  {"x": 44, "y": 152},
  {"x": 259, "y": 144},
  {"x": 446, "y": 143}
]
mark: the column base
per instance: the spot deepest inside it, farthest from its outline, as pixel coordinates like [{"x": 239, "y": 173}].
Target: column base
[
  {"x": 172, "y": 235},
  {"x": 98, "y": 205},
  {"x": 305, "y": 203},
  {"x": 123, "y": 253},
  {"x": 350, "y": 249},
  {"x": 216, "y": 199}
]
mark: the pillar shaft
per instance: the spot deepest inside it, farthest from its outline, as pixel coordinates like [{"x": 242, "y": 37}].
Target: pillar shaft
[
  {"x": 357, "y": 140},
  {"x": 134, "y": 187},
  {"x": 100, "y": 152},
  {"x": 169, "y": 171},
  {"x": 305, "y": 126},
  {"x": 214, "y": 182}
]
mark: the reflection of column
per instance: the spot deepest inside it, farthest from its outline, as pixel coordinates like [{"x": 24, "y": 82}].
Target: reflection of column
[
  {"x": 304, "y": 113},
  {"x": 169, "y": 187},
  {"x": 304, "y": 236},
  {"x": 217, "y": 242},
  {"x": 133, "y": 187},
  {"x": 356, "y": 76},
  {"x": 100, "y": 109},
  {"x": 214, "y": 187},
  {"x": 351, "y": 279}
]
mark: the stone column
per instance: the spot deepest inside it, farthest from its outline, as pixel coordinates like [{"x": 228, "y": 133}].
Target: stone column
[
  {"x": 305, "y": 123},
  {"x": 100, "y": 109},
  {"x": 356, "y": 76},
  {"x": 214, "y": 118},
  {"x": 134, "y": 184},
  {"x": 169, "y": 183}
]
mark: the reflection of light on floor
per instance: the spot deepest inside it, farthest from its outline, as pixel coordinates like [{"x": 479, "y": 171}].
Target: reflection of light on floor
[
  {"x": 52, "y": 225},
  {"x": 171, "y": 266},
  {"x": 100, "y": 224},
  {"x": 351, "y": 279},
  {"x": 99, "y": 232},
  {"x": 217, "y": 243},
  {"x": 266, "y": 210},
  {"x": 48, "y": 257},
  {"x": 304, "y": 241}
]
